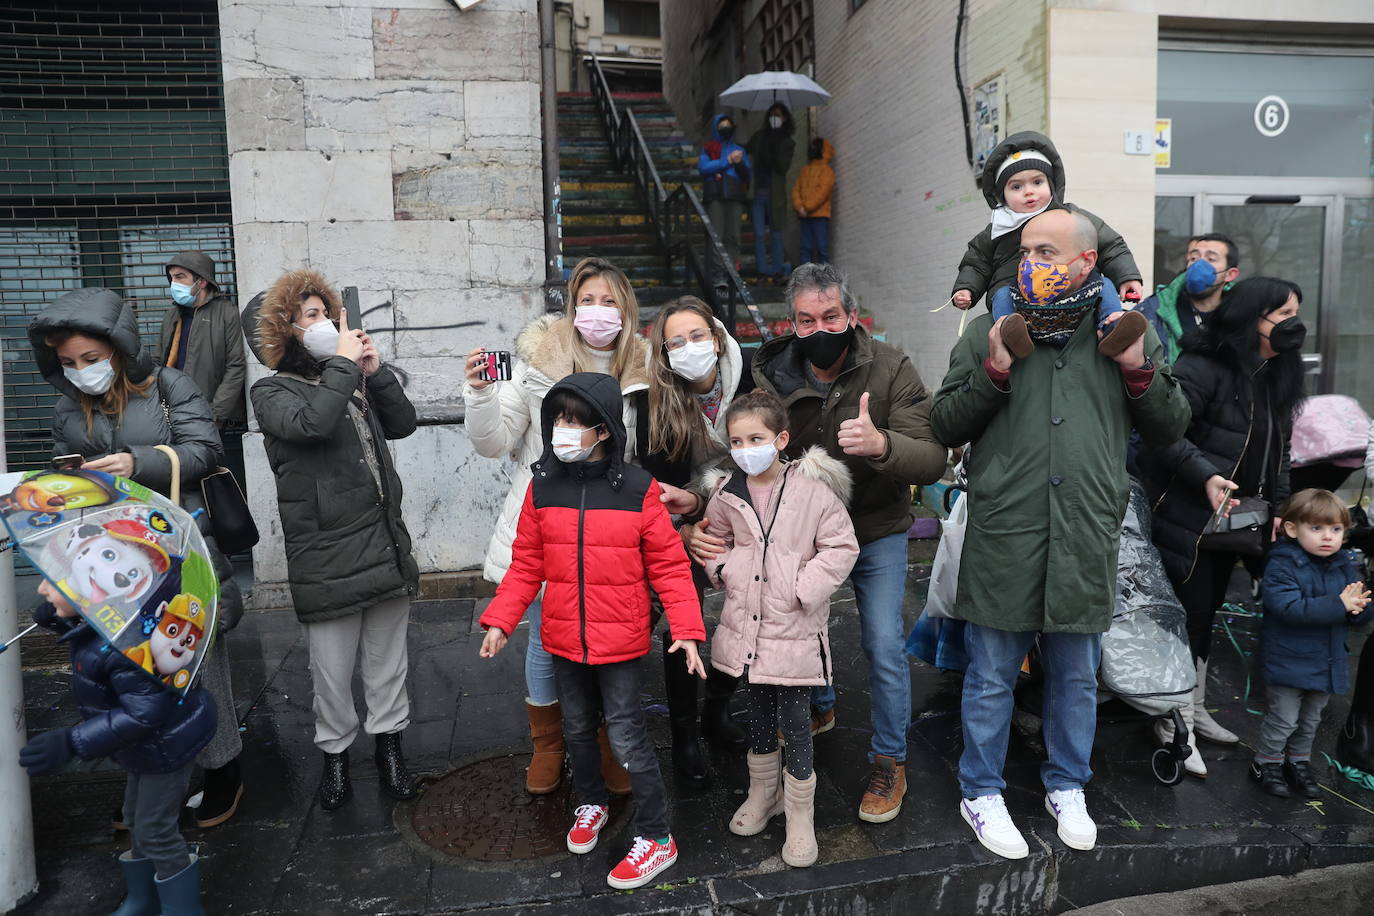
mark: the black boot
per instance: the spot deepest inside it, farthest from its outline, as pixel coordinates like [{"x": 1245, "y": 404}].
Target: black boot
[
  {"x": 716, "y": 725},
  {"x": 1355, "y": 744},
  {"x": 221, "y": 795},
  {"x": 1299, "y": 775},
  {"x": 335, "y": 786},
  {"x": 689, "y": 763},
  {"x": 391, "y": 767},
  {"x": 1270, "y": 778}
]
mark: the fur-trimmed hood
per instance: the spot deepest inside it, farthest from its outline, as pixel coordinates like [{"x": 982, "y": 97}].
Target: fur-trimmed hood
[
  {"x": 267, "y": 319},
  {"x": 546, "y": 346},
  {"x": 814, "y": 463}
]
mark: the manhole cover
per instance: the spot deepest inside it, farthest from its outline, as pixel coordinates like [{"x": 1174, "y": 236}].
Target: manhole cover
[{"x": 482, "y": 812}]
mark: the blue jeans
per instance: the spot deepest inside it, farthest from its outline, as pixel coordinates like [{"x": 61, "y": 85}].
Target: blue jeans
[
  {"x": 879, "y": 580},
  {"x": 539, "y": 677},
  {"x": 1070, "y": 712},
  {"x": 1108, "y": 305},
  {"x": 589, "y": 692},
  {"x": 762, "y": 217},
  {"x": 815, "y": 240}
]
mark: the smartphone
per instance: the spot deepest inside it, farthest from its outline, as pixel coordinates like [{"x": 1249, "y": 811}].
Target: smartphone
[
  {"x": 495, "y": 365},
  {"x": 68, "y": 462}
]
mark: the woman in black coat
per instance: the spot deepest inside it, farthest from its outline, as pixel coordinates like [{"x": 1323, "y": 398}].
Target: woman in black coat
[{"x": 1242, "y": 374}]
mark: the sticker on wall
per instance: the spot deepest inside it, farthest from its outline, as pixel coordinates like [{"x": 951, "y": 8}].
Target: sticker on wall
[
  {"x": 1164, "y": 142},
  {"x": 1271, "y": 116},
  {"x": 987, "y": 120}
]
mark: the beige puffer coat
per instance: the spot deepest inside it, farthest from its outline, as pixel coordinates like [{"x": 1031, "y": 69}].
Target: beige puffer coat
[{"x": 779, "y": 573}]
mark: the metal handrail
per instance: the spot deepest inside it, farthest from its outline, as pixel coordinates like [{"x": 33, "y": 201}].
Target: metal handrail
[{"x": 678, "y": 218}]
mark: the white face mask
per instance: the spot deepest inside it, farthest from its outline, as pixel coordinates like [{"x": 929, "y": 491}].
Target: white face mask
[
  {"x": 321, "y": 339},
  {"x": 567, "y": 444},
  {"x": 94, "y": 379},
  {"x": 756, "y": 459},
  {"x": 775, "y": 122},
  {"x": 693, "y": 360}
]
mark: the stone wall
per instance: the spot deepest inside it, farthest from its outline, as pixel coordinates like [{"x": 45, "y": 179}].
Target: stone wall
[{"x": 395, "y": 147}]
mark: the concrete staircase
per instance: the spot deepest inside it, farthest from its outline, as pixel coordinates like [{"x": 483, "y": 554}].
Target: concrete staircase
[{"x": 603, "y": 214}]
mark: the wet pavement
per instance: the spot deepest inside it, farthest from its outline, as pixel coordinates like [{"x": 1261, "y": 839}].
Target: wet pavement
[{"x": 282, "y": 854}]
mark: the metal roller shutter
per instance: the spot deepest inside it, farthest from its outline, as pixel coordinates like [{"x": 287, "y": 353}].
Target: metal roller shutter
[{"x": 112, "y": 156}]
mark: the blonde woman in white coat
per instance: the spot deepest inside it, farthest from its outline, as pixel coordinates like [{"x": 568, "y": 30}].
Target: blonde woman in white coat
[{"x": 598, "y": 334}]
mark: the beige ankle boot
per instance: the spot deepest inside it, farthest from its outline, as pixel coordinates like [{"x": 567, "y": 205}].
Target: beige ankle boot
[
  {"x": 765, "y": 795},
  {"x": 1207, "y": 727},
  {"x": 799, "y": 804}
]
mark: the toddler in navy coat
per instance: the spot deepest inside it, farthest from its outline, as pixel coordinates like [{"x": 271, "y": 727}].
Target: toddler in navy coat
[{"x": 1312, "y": 593}]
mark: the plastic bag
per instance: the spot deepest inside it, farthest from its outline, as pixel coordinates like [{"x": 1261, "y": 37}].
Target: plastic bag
[
  {"x": 1146, "y": 659},
  {"x": 944, "y": 573}
]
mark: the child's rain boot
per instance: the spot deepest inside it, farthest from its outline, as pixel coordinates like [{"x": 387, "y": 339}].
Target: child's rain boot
[
  {"x": 141, "y": 896},
  {"x": 765, "y": 795},
  {"x": 180, "y": 894},
  {"x": 799, "y": 804}
]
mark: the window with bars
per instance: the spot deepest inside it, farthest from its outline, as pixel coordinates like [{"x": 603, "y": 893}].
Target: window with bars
[
  {"x": 112, "y": 157},
  {"x": 788, "y": 39}
]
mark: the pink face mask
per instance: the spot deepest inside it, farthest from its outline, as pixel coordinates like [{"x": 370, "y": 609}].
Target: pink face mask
[{"x": 599, "y": 325}]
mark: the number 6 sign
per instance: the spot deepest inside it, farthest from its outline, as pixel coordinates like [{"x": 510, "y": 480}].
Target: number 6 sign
[{"x": 1271, "y": 116}]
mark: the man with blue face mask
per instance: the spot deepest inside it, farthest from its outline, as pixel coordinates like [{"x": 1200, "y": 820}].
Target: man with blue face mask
[
  {"x": 1185, "y": 301},
  {"x": 201, "y": 336}
]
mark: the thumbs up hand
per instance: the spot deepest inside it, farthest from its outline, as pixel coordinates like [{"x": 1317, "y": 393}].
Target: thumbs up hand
[{"x": 859, "y": 436}]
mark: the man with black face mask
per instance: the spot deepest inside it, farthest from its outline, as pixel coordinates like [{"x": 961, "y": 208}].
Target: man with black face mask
[
  {"x": 863, "y": 402},
  {"x": 1185, "y": 301}
]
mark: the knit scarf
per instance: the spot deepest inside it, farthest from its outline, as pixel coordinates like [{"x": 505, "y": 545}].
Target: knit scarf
[{"x": 1055, "y": 322}]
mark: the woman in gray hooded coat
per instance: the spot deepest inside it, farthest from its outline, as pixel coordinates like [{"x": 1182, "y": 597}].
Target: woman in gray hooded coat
[{"x": 116, "y": 406}]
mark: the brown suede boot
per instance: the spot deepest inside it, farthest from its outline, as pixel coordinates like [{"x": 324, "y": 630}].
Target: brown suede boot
[
  {"x": 546, "y": 766},
  {"x": 1123, "y": 332},
  {"x": 1016, "y": 336},
  {"x": 616, "y": 777}
]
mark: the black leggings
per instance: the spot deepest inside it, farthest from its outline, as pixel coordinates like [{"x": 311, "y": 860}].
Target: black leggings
[
  {"x": 1202, "y": 594},
  {"x": 772, "y": 707}
]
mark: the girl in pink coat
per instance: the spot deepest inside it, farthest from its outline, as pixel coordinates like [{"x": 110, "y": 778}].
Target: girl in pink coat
[{"x": 789, "y": 546}]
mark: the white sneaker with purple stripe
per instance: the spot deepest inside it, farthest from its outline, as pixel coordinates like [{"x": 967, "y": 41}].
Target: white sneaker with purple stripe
[
  {"x": 987, "y": 815},
  {"x": 1069, "y": 808}
]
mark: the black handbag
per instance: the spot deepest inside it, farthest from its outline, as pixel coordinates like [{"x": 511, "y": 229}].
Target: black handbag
[
  {"x": 230, "y": 521},
  {"x": 1245, "y": 529}
]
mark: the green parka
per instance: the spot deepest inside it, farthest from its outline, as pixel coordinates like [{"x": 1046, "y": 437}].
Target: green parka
[
  {"x": 214, "y": 358},
  {"x": 1047, "y": 476},
  {"x": 347, "y": 547},
  {"x": 899, "y": 404},
  {"x": 991, "y": 263}
]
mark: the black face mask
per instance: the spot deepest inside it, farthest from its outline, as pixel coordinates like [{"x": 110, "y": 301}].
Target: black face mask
[
  {"x": 823, "y": 348},
  {"x": 1287, "y": 335},
  {"x": 726, "y": 133}
]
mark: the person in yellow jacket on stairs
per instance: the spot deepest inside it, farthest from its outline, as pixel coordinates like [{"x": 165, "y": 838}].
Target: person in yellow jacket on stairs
[{"x": 811, "y": 199}]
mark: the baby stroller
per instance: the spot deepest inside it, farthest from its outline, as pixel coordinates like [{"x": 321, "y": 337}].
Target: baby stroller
[
  {"x": 1331, "y": 437},
  {"x": 1146, "y": 660}
]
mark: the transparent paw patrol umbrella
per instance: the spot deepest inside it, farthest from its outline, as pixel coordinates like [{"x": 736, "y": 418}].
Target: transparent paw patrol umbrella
[{"x": 130, "y": 561}]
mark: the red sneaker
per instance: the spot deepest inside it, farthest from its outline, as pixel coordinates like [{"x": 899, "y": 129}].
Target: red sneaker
[
  {"x": 590, "y": 820},
  {"x": 646, "y": 859}
]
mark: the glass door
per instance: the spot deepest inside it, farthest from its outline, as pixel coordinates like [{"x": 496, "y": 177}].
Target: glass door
[{"x": 1287, "y": 236}]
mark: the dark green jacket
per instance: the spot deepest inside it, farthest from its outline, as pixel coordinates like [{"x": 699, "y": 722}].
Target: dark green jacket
[
  {"x": 347, "y": 548},
  {"x": 899, "y": 405},
  {"x": 991, "y": 263},
  {"x": 1047, "y": 476},
  {"x": 214, "y": 358}
]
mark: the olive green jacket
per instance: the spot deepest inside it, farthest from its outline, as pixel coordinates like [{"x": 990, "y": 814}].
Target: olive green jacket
[
  {"x": 1047, "y": 482},
  {"x": 215, "y": 356},
  {"x": 899, "y": 405}
]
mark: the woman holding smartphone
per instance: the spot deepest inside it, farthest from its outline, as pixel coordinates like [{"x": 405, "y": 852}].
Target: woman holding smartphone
[
  {"x": 116, "y": 406},
  {"x": 599, "y": 334}
]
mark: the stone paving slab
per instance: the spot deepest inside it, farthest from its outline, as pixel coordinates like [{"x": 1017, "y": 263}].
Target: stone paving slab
[{"x": 283, "y": 855}]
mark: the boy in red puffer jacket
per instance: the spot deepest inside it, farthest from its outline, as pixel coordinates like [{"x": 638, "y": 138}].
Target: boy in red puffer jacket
[{"x": 594, "y": 529}]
